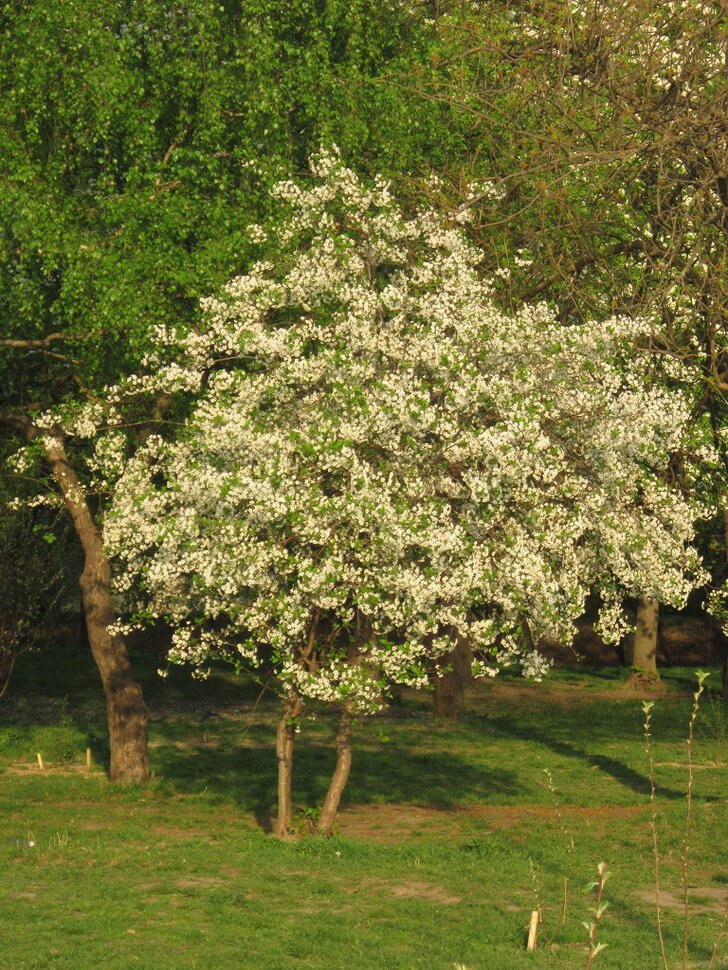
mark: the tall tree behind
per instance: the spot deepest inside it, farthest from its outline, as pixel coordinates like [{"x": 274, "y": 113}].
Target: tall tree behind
[{"x": 599, "y": 182}]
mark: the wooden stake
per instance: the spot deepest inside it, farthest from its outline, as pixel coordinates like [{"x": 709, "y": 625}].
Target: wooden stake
[
  {"x": 88, "y": 759},
  {"x": 40, "y": 761},
  {"x": 533, "y": 929}
]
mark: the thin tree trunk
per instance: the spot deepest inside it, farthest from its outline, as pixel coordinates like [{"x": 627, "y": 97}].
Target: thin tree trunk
[
  {"x": 127, "y": 714},
  {"x": 449, "y": 699},
  {"x": 641, "y": 649},
  {"x": 724, "y": 672},
  {"x": 285, "y": 738},
  {"x": 7, "y": 664},
  {"x": 341, "y": 772}
]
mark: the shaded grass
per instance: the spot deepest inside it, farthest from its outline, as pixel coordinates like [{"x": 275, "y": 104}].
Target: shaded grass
[{"x": 432, "y": 863}]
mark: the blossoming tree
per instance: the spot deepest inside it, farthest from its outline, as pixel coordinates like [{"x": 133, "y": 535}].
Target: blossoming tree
[
  {"x": 606, "y": 189},
  {"x": 376, "y": 461}
]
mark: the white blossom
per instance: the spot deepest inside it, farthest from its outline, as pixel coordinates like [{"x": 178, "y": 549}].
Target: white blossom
[{"x": 377, "y": 460}]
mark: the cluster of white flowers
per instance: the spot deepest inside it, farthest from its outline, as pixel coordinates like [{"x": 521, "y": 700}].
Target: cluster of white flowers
[
  {"x": 23, "y": 461},
  {"x": 108, "y": 458},
  {"x": 377, "y": 461},
  {"x": 41, "y": 500},
  {"x": 670, "y": 42}
]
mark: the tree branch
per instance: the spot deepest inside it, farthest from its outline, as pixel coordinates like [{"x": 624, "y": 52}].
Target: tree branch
[
  {"x": 41, "y": 345},
  {"x": 620, "y": 249},
  {"x": 37, "y": 344},
  {"x": 19, "y": 423}
]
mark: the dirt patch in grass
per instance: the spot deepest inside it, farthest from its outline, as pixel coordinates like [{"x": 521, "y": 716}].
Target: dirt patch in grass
[
  {"x": 702, "y": 899},
  {"x": 49, "y": 768},
  {"x": 409, "y": 890},
  {"x": 480, "y": 697},
  {"x": 200, "y": 882},
  {"x": 393, "y": 823},
  {"x": 385, "y": 823},
  {"x": 178, "y": 832}
]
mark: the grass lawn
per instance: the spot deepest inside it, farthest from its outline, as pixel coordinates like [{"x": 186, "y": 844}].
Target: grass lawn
[{"x": 449, "y": 836}]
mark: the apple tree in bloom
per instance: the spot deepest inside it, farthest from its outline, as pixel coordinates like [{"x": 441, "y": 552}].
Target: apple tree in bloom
[{"x": 376, "y": 460}]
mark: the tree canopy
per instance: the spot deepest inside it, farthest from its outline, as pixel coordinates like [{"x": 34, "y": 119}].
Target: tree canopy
[{"x": 377, "y": 460}]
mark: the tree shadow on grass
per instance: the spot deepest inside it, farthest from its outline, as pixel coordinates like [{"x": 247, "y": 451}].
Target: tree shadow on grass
[
  {"x": 636, "y": 781},
  {"x": 247, "y": 774},
  {"x": 642, "y": 919}
]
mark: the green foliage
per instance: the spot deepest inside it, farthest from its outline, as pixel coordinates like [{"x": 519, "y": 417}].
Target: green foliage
[
  {"x": 39, "y": 568},
  {"x": 138, "y": 141}
]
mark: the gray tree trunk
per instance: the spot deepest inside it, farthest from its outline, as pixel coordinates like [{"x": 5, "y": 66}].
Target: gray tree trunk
[
  {"x": 341, "y": 773},
  {"x": 641, "y": 649},
  {"x": 449, "y": 699},
  {"x": 285, "y": 739}
]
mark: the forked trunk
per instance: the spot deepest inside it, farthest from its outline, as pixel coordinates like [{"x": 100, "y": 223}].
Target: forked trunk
[
  {"x": 449, "y": 699},
  {"x": 285, "y": 738},
  {"x": 127, "y": 714},
  {"x": 641, "y": 650},
  {"x": 341, "y": 772}
]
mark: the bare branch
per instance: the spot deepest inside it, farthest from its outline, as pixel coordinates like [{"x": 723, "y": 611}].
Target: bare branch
[
  {"x": 626, "y": 248},
  {"x": 36, "y": 344}
]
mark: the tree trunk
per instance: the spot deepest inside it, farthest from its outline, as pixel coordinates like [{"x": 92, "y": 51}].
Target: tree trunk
[
  {"x": 285, "y": 738},
  {"x": 127, "y": 714},
  {"x": 449, "y": 696},
  {"x": 724, "y": 672},
  {"x": 341, "y": 772},
  {"x": 641, "y": 650}
]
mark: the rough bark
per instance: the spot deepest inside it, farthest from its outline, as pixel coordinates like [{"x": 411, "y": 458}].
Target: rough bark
[
  {"x": 724, "y": 678},
  {"x": 127, "y": 714},
  {"x": 641, "y": 649},
  {"x": 341, "y": 773},
  {"x": 449, "y": 699},
  {"x": 285, "y": 738}
]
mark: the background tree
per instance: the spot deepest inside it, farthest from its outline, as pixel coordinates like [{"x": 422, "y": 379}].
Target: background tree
[{"x": 597, "y": 181}]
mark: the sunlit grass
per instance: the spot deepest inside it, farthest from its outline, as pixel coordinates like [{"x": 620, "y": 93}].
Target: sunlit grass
[{"x": 446, "y": 831}]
